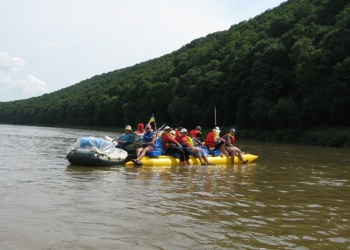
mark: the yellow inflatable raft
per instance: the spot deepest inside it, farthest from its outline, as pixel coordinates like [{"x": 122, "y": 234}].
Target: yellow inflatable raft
[{"x": 164, "y": 160}]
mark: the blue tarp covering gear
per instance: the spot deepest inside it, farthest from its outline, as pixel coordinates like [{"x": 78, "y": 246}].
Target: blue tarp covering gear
[{"x": 88, "y": 142}]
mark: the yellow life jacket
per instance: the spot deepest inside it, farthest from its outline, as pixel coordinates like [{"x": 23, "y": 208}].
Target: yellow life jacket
[{"x": 190, "y": 141}]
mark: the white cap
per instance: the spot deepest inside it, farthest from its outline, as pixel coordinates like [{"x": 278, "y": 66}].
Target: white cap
[
  {"x": 172, "y": 132},
  {"x": 166, "y": 127},
  {"x": 216, "y": 129},
  {"x": 183, "y": 130},
  {"x": 128, "y": 127}
]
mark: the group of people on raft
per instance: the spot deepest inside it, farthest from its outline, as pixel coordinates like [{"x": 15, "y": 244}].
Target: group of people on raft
[{"x": 181, "y": 142}]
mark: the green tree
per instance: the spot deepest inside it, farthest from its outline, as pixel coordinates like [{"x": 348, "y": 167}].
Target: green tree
[{"x": 284, "y": 114}]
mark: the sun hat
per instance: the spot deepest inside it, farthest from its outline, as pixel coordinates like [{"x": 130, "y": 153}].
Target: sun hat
[
  {"x": 183, "y": 130},
  {"x": 128, "y": 127},
  {"x": 148, "y": 126},
  {"x": 232, "y": 130}
]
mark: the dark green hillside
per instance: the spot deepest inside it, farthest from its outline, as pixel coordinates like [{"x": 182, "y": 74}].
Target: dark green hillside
[{"x": 287, "y": 69}]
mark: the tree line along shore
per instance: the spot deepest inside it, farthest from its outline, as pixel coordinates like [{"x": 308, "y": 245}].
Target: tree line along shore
[{"x": 282, "y": 76}]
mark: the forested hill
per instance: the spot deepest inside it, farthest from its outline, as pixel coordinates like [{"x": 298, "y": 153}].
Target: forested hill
[{"x": 286, "y": 69}]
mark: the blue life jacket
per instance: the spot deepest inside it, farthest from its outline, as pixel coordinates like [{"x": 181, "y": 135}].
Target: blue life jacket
[{"x": 147, "y": 137}]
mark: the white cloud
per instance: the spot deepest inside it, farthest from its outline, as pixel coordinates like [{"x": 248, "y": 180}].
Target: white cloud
[
  {"x": 10, "y": 69},
  {"x": 5, "y": 80},
  {"x": 32, "y": 85},
  {"x": 10, "y": 64}
]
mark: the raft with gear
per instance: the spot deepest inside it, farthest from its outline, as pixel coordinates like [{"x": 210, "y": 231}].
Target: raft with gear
[
  {"x": 92, "y": 151},
  {"x": 159, "y": 157}
]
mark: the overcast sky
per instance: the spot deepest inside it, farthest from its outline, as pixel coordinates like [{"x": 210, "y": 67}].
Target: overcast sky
[{"x": 47, "y": 45}]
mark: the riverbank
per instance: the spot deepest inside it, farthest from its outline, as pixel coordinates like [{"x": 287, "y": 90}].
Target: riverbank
[{"x": 326, "y": 137}]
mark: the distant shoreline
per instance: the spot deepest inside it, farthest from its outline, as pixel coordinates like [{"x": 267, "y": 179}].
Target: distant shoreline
[{"x": 325, "y": 137}]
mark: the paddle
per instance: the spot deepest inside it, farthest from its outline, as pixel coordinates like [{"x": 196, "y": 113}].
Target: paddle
[{"x": 159, "y": 130}]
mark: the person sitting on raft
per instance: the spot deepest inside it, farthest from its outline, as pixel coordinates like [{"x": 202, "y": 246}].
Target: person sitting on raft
[
  {"x": 196, "y": 133},
  {"x": 172, "y": 146},
  {"x": 188, "y": 144},
  {"x": 140, "y": 130},
  {"x": 177, "y": 131},
  {"x": 147, "y": 143},
  {"x": 229, "y": 142},
  {"x": 214, "y": 142},
  {"x": 126, "y": 138}
]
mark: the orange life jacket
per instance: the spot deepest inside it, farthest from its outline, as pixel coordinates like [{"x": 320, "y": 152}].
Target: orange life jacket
[{"x": 168, "y": 140}]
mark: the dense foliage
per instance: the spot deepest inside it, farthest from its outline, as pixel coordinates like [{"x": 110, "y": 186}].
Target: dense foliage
[{"x": 286, "y": 69}]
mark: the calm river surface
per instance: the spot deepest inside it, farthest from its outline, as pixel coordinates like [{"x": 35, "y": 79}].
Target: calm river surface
[{"x": 293, "y": 197}]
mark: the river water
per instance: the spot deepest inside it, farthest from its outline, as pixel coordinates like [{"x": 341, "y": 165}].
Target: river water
[{"x": 293, "y": 197}]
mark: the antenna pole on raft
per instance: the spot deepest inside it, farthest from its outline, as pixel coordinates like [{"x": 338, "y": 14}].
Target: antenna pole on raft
[{"x": 215, "y": 114}]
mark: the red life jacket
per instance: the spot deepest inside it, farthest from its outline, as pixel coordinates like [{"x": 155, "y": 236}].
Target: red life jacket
[
  {"x": 194, "y": 132},
  {"x": 232, "y": 138},
  {"x": 183, "y": 140},
  {"x": 209, "y": 140}
]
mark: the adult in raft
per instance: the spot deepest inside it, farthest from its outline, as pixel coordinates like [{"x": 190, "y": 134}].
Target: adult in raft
[
  {"x": 188, "y": 144},
  {"x": 229, "y": 146},
  {"x": 196, "y": 133},
  {"x": 177, "y": 131},
  {"x": 172, "y": 146},
  {"x": 126, "y": 138},
  {"x": 147, "y": 143},
  {"x": 140, "y": 129},
  {"x": 214, "y": 142}
]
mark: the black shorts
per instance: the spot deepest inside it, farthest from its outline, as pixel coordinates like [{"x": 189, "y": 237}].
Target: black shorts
[{"x": 219, "y": 144}]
